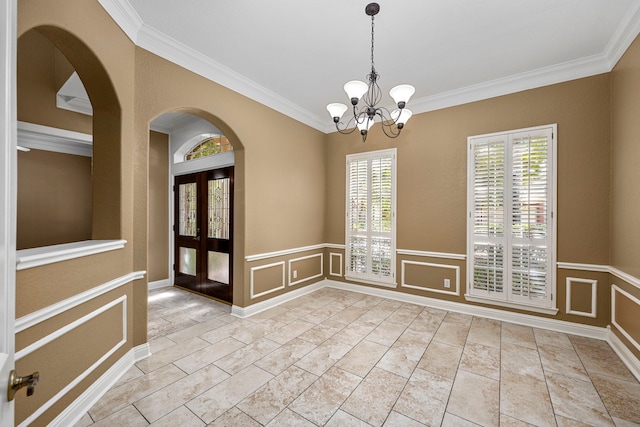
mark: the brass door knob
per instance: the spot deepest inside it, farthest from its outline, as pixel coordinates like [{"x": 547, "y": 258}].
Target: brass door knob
[{"x": 17, "y": 382}]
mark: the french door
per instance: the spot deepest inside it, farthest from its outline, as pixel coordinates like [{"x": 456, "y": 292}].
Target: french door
[{"x": 204, "y": 233}]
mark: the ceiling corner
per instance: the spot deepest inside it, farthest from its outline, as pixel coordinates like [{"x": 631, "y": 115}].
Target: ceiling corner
[{"x": 125, "y": 16}]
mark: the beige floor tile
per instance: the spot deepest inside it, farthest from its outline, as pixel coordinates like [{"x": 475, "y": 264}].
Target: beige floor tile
[
  {"x": 568, "y": 422},
  {"x": 195, "y": 330},
  {"x": 558, "y": 339},
  {"x": 458, "y": 318},
  {"x": 521, "y": 360},
  {"x": 322, "y": 332},
  {"x": 180, "y": 417},
  {"x": 132, "y": 373},
  {"x": 171, "y": 354},
  {"x": 285, "y": 356},
  {"x": 355, "y": 332},
  {"x": 245, "y": 356},
  {"x": 577, "y": 400},
  {"x": 253, "y": 333},
  {"x": 290, "y": 331},
  {"x": 320, "y": 359},
  {"x": 406, "y": 314},
  {"x": 485, "y": 331},
  {"x": 288, "y": 418},
  {"x": 396, "y": 419},
  {"x": 424, "y": 397},
  {"x": 402, "y": 358},
  {"x": 452, "y": 333},
  {"x": 372, "y": 400},
  {"x": 619, "y": 422},
  {"x": 519, "y": 335},
  {"x": 526, "y": 398},
  {"x": 348, "y": 315},
  {"x": 323, "y": 398},
  {"x": 208, "y": 355},
  {"x": 160, "y": 343},
  {"x": 234, "y": 417},
  {"x": 563, "y": 360},
  {"x": 125, "y": 417},
  {"x": 217, "y": 400},
  {"x": 386, "y": 333},
  {"x": 85, "y": 421},
  {"x": 475, "y": 398},
  {"x": 321, "y": 314},
  {"x": 622, "y": 398},
  {"x": 451, "y": 420},
  {"x": 167, "y": 399},
  {"x": 267, "y": 402},
  {"x": 441, "y": 359},
  {"x": 601, "y": 359},
  {"x": 362, "y": 358},
  {"x": 507, "y": 421},
  {"x": 342, "y": 419},
  {"x": 482, "y": 360},
  {"x": 121, "y": 396}
]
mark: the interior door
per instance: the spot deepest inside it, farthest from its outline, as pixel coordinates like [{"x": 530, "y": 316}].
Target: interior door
[
  {"x": 204, "y": 233},
  {"x": 8, "y": 182}
]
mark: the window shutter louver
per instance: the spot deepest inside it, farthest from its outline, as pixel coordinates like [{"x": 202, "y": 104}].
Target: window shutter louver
[
  {"x": 370, "y": 219},
  {"x": 510, "y": 197}
]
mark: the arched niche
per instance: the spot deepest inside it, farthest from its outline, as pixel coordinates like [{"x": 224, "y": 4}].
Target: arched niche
[{"x": 105, "y": 126}]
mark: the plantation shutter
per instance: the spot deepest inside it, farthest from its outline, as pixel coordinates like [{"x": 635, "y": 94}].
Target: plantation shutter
[
  {"x": 510, "y": 226},
  {"x": 370, "y": 226}
]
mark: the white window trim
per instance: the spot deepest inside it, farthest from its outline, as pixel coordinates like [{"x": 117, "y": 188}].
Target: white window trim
[
  {"x": 391, "y": 283},
  {"x": 469, "y": 296}
]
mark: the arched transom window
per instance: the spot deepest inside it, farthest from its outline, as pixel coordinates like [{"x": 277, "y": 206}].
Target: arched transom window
[{"x": 210, "y": 146}]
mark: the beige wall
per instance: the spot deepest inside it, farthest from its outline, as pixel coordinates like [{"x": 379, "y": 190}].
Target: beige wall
[
  {"x": 158, "y": 248},
  {"x": 54, "y": 198},
  {"x": 625, "y": 193}
]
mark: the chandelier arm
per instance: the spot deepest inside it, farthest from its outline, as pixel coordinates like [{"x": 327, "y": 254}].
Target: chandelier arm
[{"x": 389, "y": 129}]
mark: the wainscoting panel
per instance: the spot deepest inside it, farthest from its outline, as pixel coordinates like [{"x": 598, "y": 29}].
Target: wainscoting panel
[
  {"x": 624, "y": 315},
  {"x": 79, "y": 348},
  {"x": 266, "y": 279},
  {"x": 581, "y": 296},
  {"x": 335, "y": 264},
  {"x": 306, "y": 268},
  {"x": 431, "y": 277}
]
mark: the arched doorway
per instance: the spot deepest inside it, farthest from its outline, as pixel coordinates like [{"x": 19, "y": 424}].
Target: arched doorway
[{"x": 201, "y": 213}]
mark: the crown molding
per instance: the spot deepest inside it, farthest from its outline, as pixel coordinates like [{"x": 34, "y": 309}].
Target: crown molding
[
  {"x": 125, "y": 16},
  {"x": 164, "y": 46}
]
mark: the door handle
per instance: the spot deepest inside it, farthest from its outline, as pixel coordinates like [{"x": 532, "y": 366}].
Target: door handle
[{"x": 16, "y": 383}]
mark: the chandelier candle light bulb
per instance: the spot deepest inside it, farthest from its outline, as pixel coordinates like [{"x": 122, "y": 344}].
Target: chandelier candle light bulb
[{"x": 371, "y": 95}]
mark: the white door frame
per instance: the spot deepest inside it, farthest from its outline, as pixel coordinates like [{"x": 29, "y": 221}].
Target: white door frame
[{"x": 8, "y": 181}]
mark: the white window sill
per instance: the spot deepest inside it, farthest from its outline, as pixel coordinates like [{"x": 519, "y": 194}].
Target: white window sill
[
  {"x": 370, "y": 281},
  {"x": 511, "y": 304},
  {"x": 35, "y": 257}
]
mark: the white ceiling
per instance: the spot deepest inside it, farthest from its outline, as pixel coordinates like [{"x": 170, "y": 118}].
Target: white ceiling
[{"x": 295, "y": 56}]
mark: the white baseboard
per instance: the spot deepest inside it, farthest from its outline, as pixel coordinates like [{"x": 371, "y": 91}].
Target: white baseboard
[
  {"x": 249, "y": 311},
  {"x": 76, "y": 410},
  {"x": 624, "y": 353},
  {"x": 159, "y": 284}
]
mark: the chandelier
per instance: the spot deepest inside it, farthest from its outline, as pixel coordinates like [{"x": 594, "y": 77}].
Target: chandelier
[{"x": 370, "y": 95}]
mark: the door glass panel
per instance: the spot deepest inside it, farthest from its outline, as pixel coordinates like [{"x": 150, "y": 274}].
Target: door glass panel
[
  {"x": 188, "y": 200},
  {"x": 219, "y": 208},
  {"x": 218, "y": 267},
  {"x": 187, "y": 262}
]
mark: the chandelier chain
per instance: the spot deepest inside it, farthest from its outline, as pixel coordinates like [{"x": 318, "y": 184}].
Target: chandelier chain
[{"x": 372, "y": 28}]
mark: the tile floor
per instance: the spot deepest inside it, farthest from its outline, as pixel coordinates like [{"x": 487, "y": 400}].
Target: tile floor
[{"x": 339, "y": 358}]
